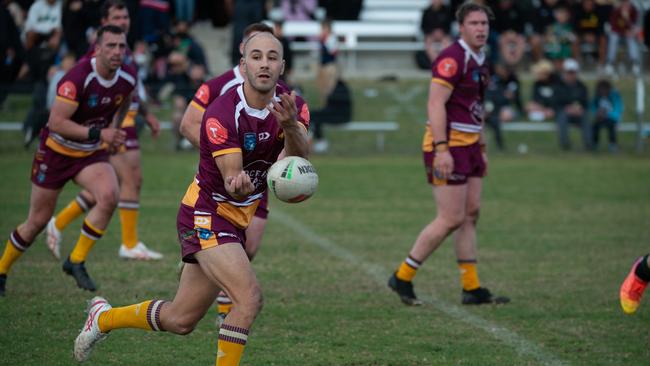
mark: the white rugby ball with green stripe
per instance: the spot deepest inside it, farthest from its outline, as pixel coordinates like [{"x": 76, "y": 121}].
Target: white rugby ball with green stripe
[{"x": 292, "y": 179}]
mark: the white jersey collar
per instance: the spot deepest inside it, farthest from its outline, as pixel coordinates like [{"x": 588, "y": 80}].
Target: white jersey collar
[
  {"x": 478, "y": 57},
  {"x": 258, "y": 113}
]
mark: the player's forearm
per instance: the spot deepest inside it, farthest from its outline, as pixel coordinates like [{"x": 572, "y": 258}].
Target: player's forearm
[
  {"x": 190, "y": 126},
  {"x": 438, "y": 121},
  {"x": 68, "y": 128},
  {"x": 295, "y": 141}
]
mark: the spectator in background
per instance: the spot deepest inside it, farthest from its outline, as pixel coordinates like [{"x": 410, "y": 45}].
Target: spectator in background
[
  {"x": 185, "y": 44},
  {"x": 436, "y": 27},
  {"x": 298, "y": 9},
  {"x": 38, "y": 116},
  {"x": 560, "y": 37},
  {"x": 623, "y": 21},
  {"x": 154, "y": 19},
  {"x": 184, "y": 10},
  {"x": 76, "y": 18},
  {"x": 337, "y": 110},
  {"x": 245, "y": 12},
  {"x": 590, "y": 32},
  {"x": 328, "y": 72},
  {"x": 571, "y": 98},
  {"x": 503, "y": 100},
  {"x": 540, "y": 107},
  {"x": 508, "y": 28},
  {"x": 342, "y": 9},
  {"x": 542, "y": 18},
  {"x": 42, "y": 41},
  {"x": 11, "y": 52},
  {"x": 607, "y": 109}
]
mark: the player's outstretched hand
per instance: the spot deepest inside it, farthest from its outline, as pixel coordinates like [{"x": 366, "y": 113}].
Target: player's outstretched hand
[
  {"x": 239, "y": 186},
  {"x": 286, "y": 111}
]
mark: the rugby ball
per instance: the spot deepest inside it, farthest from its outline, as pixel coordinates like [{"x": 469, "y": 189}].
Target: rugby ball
[{"x": 292, "y": 179}]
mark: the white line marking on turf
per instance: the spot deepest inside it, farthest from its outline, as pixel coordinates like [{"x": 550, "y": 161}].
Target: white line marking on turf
[{"x": 521, "y": 345}]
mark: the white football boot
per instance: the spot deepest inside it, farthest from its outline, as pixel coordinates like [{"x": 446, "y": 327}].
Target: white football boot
[
  {"x": 139, "y": 252},
  {"x": 54, "y": 238},
  {"x": 90, "y": 333}
]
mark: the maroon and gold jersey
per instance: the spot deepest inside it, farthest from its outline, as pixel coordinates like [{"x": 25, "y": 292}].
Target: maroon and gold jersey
[
  {"x": 215, "y": 87},
  {"x": 466, "y": 73},
  {"x": 96, "y": 99},
  {"x": 230, "y": 125}
]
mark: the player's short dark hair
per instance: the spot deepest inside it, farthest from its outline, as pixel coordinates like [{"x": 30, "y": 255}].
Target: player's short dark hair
[
  {"x": 108, "y": 29},
  {"x": 109, "y": 4},
  {"x": 257, "y": 27},
  {"x": 470, "y": 7}
]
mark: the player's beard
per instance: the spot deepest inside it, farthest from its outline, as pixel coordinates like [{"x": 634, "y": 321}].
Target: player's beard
[{"x": 262, "y": 87}]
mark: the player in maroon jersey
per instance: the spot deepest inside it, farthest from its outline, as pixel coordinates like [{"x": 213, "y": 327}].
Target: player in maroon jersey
[
  {"x": 126, "y": 161},
  {"x": 455, "y": 157},
  {"x": 242, "y": 134},
  {"x": 190, "y": 128},
  {"x": 91, "y": 97}
]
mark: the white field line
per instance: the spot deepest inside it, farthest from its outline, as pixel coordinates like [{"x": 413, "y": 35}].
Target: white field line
[{"x": 520, "y": 344}]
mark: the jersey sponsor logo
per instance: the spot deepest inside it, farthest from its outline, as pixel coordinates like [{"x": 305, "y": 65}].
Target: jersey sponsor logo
[
  {"x": 304, "y": 113},
  {"x": 477, "y": 111},
  {"x": 217, "y": 134},
  {"x": 201, "y": 220},
  {"x": 68, "y": 90},
  {"x": 263, "y": 136},
  {"x": 203, "y": 94},
  {"x": 224, "y": 234},
  {"x": 106, "y": 100},
  {"x": 447, "y": 67},
  {"x": 250, "y": 140},
  {"x": 204, "y": 234}
]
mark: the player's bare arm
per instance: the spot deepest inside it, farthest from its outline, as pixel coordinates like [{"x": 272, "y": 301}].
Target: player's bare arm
[
  {"x": 150, "y": 119},
  {"x": 438, "y": 97},
  {"x": 295, "y": 135},
  {"x": 237, "y": 183},
  {"x": 191, "y": 124},
  {"x": 60, "y": 123}
]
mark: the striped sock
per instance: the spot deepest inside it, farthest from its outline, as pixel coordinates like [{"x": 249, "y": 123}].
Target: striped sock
[
  {"x": 230, "y": 345},
  {"x": 129, "y": 220},
  {"x": 468, "y": 274},
  {"x": 15, "y": 247},
  {"x": 145, "y": 315},
  {"x": 89, "y": 235},
  {"x": 73, "y": 210},
  {"x": 408, "y": 269}
]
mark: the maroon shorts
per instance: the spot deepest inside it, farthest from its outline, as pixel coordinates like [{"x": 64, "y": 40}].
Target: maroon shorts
[
  {"x": 199, "y": 230},
  {"x": 52, "y": 170},
  {"x": 263, "y": 208},
  {"x": 468, "y": 162},
  {"x": 131, "y": 140}
]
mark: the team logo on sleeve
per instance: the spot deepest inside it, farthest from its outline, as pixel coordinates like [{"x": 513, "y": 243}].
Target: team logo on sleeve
[
  {"x": 447, "y": 67},
  {"x": 68, "y": 90},
  {"x": 203, "y": 94},
  {"x": 217, "y": 134}
]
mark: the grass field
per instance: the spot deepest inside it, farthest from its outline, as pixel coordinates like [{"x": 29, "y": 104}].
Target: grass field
[{"x": 557, "y": 234}]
